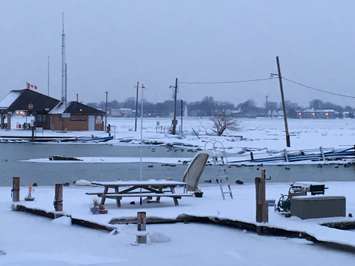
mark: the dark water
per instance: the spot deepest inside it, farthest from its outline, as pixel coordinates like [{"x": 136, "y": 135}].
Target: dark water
[{"x": 11, "y": 164}]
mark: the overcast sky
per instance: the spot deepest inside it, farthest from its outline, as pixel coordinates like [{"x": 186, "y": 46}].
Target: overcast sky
[{"x": 112, "y": 44}]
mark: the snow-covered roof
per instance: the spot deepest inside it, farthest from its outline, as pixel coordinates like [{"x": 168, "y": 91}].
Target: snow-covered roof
[
  {"x": 75, "y": 108},
  {"x": 9, "y": 99},
  {"x": 58, "y": 109}
]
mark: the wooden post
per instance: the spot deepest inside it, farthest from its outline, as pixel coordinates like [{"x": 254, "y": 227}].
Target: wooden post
[
  {"x": 251, "y": 156},
  {"x": 261, "y": 205},
  {"x": 33, "y": 133},
  {"x": 2, "y": 122},
  {"x": 8, "y": 120},
  {"x": 265, "y": 215},
  {"x": 58, "y": 198},
  {"x": 141, "y": 228},
  {"x": 15, "y": 189}
]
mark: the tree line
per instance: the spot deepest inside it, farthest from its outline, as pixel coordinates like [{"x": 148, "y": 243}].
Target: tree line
[{"x": 208, "y": 106}]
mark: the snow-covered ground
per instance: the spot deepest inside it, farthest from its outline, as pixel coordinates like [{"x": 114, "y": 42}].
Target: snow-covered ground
[
  {"x": 263, "y": 136},
  {"x": 34, "y": 241},
  {"x": 202, "y": 245},
  {"x": 258, "y": 134},
  {"x": 172, "y": 160},
  {"x": 29, "y": 240}
]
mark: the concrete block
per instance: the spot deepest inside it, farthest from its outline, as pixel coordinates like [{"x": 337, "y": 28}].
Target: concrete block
[{"x": 318, "y": 207}]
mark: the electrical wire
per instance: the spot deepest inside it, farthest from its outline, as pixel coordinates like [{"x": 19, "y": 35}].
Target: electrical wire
[
  {"x": 264, "y": 79},
  {"x": 317, "y": 89},
  {"x": 224, "y": 82}
]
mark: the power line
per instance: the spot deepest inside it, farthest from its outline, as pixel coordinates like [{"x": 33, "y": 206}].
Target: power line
[
  {"x": 223, "y": 82},
  {"x": 316, "y": 89},
  {"x": 264, "y": 79}
]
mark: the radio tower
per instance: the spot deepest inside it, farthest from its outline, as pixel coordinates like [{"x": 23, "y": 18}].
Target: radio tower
[{"x": 64, "y": 87}]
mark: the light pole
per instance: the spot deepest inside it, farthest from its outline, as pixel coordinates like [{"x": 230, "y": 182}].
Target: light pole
[
  {"x": 141, "y": 135},
  {"x": 136, "y": 114},
  {"x": 141, "y": 141},
  {"x": 106, "y": 99},
  {"x": 174, "y": 121}
]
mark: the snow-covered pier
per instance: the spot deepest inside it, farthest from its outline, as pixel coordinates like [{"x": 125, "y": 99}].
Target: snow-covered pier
[{"x": 211, "y": 209}]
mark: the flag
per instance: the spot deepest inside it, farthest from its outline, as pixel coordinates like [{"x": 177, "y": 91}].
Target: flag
[{"x": 30, "y": 86}]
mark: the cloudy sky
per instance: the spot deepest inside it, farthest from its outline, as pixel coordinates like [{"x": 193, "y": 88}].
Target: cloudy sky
[{"x": 112, "y": 44}]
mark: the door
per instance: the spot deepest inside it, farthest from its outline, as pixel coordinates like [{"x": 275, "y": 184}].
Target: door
[{"x": 91, "y": 122}]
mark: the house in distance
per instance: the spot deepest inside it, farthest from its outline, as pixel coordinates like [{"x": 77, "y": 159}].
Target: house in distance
[
  {"x": 26, "y": 102},
  {"x": 47, "y": 112},
  {"x": 76, "y": 116}
]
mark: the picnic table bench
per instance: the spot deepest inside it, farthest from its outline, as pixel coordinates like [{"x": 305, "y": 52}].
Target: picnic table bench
[{"x": 140, "y": 189}]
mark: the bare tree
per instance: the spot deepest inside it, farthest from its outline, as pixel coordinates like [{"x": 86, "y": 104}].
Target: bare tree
[{"x": 221, "y": 122}]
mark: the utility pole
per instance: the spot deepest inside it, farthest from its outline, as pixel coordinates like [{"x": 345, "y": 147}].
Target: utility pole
[
  {"x": 66, "y": 85},
  {"x": 106, "y": 99},
  {"x": 182, "y": 116},
  {"x": 174, "y": 121},
  {"x": 136, "y": 114},
  {"x": 288, "y": 142},
  {"x": 77, "y": 97},
  {"x": 63, "y": 62},
  {"x": 48, "y": 73}
]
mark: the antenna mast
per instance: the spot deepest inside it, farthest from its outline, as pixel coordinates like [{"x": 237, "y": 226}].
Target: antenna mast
[
  {"x": 48, "y": 75},
  {"x": 64, "y": 93}
]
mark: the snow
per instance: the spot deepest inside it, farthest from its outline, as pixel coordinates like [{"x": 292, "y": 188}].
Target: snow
[
  {"x": 30, "y": 240},
  {"x": 263, "y": 136},
  {"x": 56, "y": 245},
  {"x": 9, "y": 99},
  {"x": 142, "y": 182},
  {"x": 260, "y": 135},
  {"x": 64, "y": 220},
  {"x": 58, "y": 109},
  {"x": 172, "y": 160},
  {"x": 241, "y": 208}
]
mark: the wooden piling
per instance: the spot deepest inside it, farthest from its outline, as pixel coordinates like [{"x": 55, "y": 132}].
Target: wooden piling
[
  {"x": 58, "y": 198},
  {"x": 33, "y": 133},
  {"x": 261, "y": 204},
  {"x": 141, "y": 228},
  {"x": 15, "y": 189}
]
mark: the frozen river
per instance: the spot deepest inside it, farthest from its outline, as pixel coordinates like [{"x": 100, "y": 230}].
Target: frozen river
[
  {"x": 13, "y": 163},
  {"x": 262, "y": 136}
]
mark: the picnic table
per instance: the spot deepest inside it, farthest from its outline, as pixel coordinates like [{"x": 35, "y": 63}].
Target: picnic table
[{"x": 140, "y": 189}]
